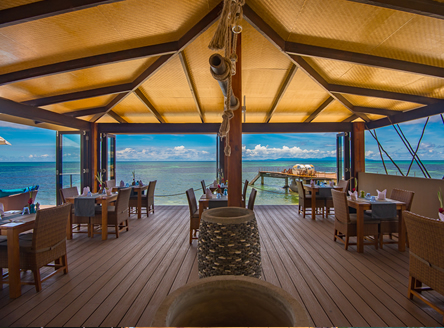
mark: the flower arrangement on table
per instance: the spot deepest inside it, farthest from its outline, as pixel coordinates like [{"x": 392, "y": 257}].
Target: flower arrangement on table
[
  {"x": 100, "y": 181},
  {"x": 31, "y": 205},
  {"x": 441, "y": 208}
]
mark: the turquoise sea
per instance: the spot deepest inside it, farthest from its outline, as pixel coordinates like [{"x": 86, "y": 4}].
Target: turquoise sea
[{"x": 173, "y": 178}]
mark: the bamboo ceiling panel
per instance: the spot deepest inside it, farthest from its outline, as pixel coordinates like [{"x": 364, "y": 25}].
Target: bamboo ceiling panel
[
  {"x": 302, "y": 95},
  {"x": 257, "y": 109},
  {"x": 13, "y": 93},
  {"x": 390, "y": 104},
  {"x": 104, "y": 119},
  {"x": 335, "y": 112},
  {"x": 339, "y": 72},
  {"x": 132, "y": 110},
  {"x": 6, "y": 4},
  {"x": 169, "y": 91},
  {"x": 85, "y": 79},
  {"x": 374, "y": 117},
  {"x": 75, "y": 105},
  {"x": 197, "y": 56},
  {"x": 102, "y": 29}
]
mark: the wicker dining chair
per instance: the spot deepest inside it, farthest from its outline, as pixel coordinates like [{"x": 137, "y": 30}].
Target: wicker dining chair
[
  {"x": 194, "y": 214},
  {"x": 344, "y": 185},
  {"x": 390, "y": 226},
  {"x": 147, "y": 200},
  {"x": 117, "y": 215},
  {"x": 346, "y": 223},
  {"x": 252, "y": 199},
  {"x": 426, "y": 261},
  {"x": 244, "y": 193},
  {"x": 305, "y": 201},
  {"x": 47, "y": 245},
  {"x": 77, "y": 221}
]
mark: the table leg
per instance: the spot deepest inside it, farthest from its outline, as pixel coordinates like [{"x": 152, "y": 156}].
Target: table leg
[
  {"x": 360, "y": 230},
  {"x": 104, "y": 219},
  {"x": 200, "y": 211},
  {"x": 139, "y": 204},
  {"x": 14, "y": 264},
  {"x": 402, "y": 232},
  {"x": 313, "y": 204}
]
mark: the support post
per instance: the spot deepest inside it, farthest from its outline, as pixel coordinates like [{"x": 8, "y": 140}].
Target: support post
[
  {"x": 95, "y": 153},
  {"x": 262, "y": 179},
  {"x": 235, "y": 137},
  {"x": 357, "y": 148}
]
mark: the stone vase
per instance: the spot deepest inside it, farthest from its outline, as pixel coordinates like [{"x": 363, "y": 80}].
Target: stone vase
[
  {"x": 229, "y": 243},
  {"x": 230, "y": 301}
]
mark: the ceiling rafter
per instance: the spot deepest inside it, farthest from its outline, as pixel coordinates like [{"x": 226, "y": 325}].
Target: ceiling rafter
[
  {"x": 377, "y": 111},
  {"x": 193, "y": 128},
  {"x": 187, "y": 72},
  {"x": 43, "y": 9},
  {"x": 78, "y": 95},
  {"x": 362, "y": 59},
  {"x": 148, "y": 104},
  {"x": 336, "y": 88},
  {"x": 351, "y": 118},
  {"x": 117, "y": 117},
  {"x": 310, "y": 71},
  {"x": 88, "y": 62},
  {"x": 13, "y": 108},
  {"x": 116, "y": 100},
  {"x": 281, "y": 92},
  {"x": 86, "y": 112},
  {"x": 427, "y": 8},
  {"x": 318, "y": 110}
]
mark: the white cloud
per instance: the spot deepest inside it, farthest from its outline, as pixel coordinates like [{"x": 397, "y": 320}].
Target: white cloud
[
  {"x": 180, "y": 153},
  {"x": 264, "y": 152}
]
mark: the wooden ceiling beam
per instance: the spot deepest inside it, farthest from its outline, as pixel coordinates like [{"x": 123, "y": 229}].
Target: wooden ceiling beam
[
  {"x": 87, "y": 62},
  {"x": 116, "y": 100},
  {"x": 117, "y": 117},
  {"x": 362, "y": 59},
  {"x": 310, "y": 71},
  {"x": 350, "y": 119},
  {"x": 377, "y": 111},
  {"x": 427, "y": 8},
  {"x": 78, "y": 95},
  {"x": 281, "y": 92},
  {"x": 203, "y": 128},
  {"x": 44, "y": 9},
  {"x": 86, "y": 112},
  {"x": 336, "y": 88},
  {"x": 318, "y": 110},
  {"x": 406, "y": 116},
  {"x": 13, "y": 108},
  {"x": 148, "y": 104},
  {"x": 186, "y": 70}
]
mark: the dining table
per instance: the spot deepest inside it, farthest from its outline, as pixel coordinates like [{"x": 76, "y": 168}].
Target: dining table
[
  {"x": 139, "y": 190},
  {"x": 11, "y": 225},
  {"x": 100, "y": 199},
  {"x": 204, "y": 203},
  {"x": 363, "y": 204},
  {"x": 321, "y": 189}
]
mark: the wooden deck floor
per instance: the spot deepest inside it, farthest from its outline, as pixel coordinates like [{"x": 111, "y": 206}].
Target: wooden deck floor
[{"x": 121, "y": 282}]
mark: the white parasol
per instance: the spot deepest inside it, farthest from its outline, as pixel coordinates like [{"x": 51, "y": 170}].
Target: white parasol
[{"x": 4, "y": 142}]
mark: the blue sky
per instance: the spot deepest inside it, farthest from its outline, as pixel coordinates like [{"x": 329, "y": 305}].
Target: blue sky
[{"x": 36, "y": 144}]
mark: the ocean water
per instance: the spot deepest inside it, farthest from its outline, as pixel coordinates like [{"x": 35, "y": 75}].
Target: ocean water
[{"x": 174, "y": 178}]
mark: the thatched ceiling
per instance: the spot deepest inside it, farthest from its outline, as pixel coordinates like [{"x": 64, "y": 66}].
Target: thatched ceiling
[{"x": 146, "y": 61}]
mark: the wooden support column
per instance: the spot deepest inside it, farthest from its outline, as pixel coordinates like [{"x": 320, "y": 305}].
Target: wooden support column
[
  {"x": 94, "y": 155},
  {"x": 234, "y": 171},
  {"x": 357, "y": 149}
]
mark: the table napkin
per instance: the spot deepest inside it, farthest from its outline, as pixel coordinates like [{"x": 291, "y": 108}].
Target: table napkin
[
  {"x": 353, "y": 195},
  {"x": 122, "y": 184},
  {"x": 381, "y": 194},
  {"x": 208, "y": 193},
  {"x": 85, "y": 191}
]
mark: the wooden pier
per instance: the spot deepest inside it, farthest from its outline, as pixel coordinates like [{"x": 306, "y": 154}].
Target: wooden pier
[{"x": 286, "y": 176}]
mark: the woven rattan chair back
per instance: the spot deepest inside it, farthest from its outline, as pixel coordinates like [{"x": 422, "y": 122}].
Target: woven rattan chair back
[
  {"x": 150, "y": 192},
  {"x": 344, "y": 184},
  {"x": 252, "y": 199},
  {"x": 192, "y": 203},
  {"x": 204, "y": 186},
  {"x": 68, "y": 192},
  {"x": 405, "y": 196},
  {"x": 426, "y": 263},
  {"x": 110, "y": 183},
  {"x": 244, "y": 191},
  {"x": 340, "y": 205},
  {"x": 122, "y": 203},
  {"x": 301, "y": 190},
  {"x": 50, "y": 226}
]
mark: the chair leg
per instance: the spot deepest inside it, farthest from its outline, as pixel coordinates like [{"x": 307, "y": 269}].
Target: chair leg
[
  {"x": 65, "y": 263},
  {"x": 117, "y": 230},
  {"x": 334, "y": 236},
  {"x": 191, "y": 236},
  {"x": 1, "y": 278},
  {"x": 376, "y": 241},
  {"x": 381, "y": 240},
  {"x": 127, "y": 225},
  {"x": 303, "y": 212},
  {"x": 346, "y": 242},
  {"x": 37, "y": 280},
  {"x": 412, "y": 283}
]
